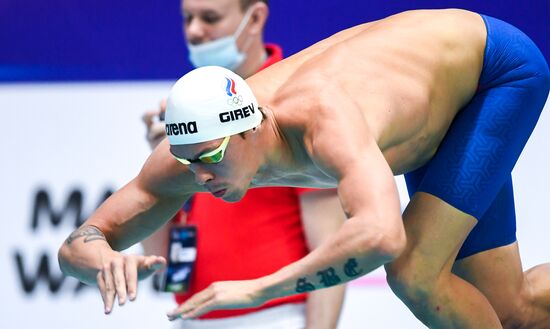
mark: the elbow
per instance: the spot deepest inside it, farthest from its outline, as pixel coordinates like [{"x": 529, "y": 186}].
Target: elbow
[
  {"x": 385, "y": 242},
  {"x": 391, "y": 243}
]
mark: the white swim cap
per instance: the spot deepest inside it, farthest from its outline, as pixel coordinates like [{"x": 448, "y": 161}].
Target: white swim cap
[{"x": 208, "y": 103}]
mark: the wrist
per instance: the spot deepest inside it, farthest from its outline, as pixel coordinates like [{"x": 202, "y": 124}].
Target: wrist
[
  {"x": 272, "y": 286},
  {"x": 262, "y": 290}
]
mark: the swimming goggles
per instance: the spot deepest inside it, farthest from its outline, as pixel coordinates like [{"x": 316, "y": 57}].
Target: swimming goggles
[{"x": 214, "y": 156}]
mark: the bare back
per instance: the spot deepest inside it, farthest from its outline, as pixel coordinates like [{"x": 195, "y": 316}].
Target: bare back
[{"x": 408, "y": 75}]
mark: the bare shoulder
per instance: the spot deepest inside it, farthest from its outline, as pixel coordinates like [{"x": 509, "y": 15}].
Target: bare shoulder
[
  {"x": 163, "y": 175},
  {"x": 343, "y": 146},
  {"x": 335, "y": 131},
  {"x": 430, "y": 23},
  {"x": 293, "y": 68},
  {"x": 434, "y": 17}
]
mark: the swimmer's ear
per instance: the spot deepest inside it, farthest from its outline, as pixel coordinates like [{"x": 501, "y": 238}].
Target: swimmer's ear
[
  {"x": 261, "y": 109},
  {"x": 254, "y": 130},
  {"x": 243, "y": 134}
]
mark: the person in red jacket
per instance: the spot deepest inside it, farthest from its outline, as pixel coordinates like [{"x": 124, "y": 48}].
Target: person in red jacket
[{"x": 263, "y": 232}]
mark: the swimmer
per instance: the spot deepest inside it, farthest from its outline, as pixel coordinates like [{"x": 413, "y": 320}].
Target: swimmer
[
  {"x": 447, "y": 97},
  {"x": 229, "y": 33}
]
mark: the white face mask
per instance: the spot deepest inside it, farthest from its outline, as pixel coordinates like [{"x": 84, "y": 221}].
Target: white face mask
[{"x": 221, "y": 52}]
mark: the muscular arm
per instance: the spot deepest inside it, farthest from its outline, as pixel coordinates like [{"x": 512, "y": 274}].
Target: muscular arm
[
  {"x": 342, "y": 145},
  {"x": 322, "y": 216},
  {"x": 157, "y": 243},
  {"x": 128, "y": 216}
]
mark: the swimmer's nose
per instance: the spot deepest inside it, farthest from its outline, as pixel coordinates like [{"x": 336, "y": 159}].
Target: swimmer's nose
[{"x": 202, "y": 176}]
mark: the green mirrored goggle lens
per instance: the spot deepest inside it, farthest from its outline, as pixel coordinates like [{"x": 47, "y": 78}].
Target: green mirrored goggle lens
[{"x": 214, "y": 156}]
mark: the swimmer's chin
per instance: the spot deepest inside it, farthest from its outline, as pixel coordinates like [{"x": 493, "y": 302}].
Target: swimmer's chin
[{"x": 232, "y": 197}]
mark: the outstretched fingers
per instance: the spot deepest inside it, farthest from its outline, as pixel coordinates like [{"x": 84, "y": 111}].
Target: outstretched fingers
[
  {"x": 119, "y": 277},
  {"x": 220, "y": 295},
  {"x": 131, "y": 275},
  {"x": 107, "y": 287},
  {"x": 100, "y": 278},
  {"x": 195, "y": 306},
  {"x": 147, "y": 265}
]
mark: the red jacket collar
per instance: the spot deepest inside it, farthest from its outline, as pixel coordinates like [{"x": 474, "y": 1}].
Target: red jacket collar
[{"x": 274, "y": 54}]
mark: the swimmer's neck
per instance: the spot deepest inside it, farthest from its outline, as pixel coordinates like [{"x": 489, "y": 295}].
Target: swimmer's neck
[{"x": 284, "y": 152}]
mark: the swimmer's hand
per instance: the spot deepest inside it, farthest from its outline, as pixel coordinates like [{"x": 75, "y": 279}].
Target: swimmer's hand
[
  {"x": 120, "y": 274},
  {"x": 221, "y": 295}
]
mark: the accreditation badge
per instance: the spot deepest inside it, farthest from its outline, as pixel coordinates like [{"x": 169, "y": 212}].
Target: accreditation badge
[{"x": 182, "y": 253}]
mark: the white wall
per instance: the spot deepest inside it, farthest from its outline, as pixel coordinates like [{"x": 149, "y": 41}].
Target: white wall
[{"x": 88, "y": 138}]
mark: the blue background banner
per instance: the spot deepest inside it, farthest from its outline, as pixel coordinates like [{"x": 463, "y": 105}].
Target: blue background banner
[{"x": 60, "y": 40}]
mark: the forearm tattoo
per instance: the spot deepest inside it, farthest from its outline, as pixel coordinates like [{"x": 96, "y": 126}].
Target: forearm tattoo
[
  {"x": 89, "y": 233},
  {"x": 329, "y": 277},
  {"x": 350, "y": 268},
  {"x": 303, "y": 286}
]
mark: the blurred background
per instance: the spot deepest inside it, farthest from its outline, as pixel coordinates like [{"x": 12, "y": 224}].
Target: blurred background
[
  {"x": 58, "y": 40},
  {"x": 75, "y": 77}
]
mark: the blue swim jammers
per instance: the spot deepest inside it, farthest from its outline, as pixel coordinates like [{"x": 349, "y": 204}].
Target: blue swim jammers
[{"x": 472, "y": 168}]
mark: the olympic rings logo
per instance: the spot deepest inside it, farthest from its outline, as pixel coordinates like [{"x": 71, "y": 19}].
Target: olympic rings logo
[{"x": 236, "y": 100}]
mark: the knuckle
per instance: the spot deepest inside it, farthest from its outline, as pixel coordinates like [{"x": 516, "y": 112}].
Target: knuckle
[
  {"x": 109, "y": 287},
  {"x": 129, "y": 260},
  {"x": 116, "y": 262},
  {"x": 118, "y": 282}
]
